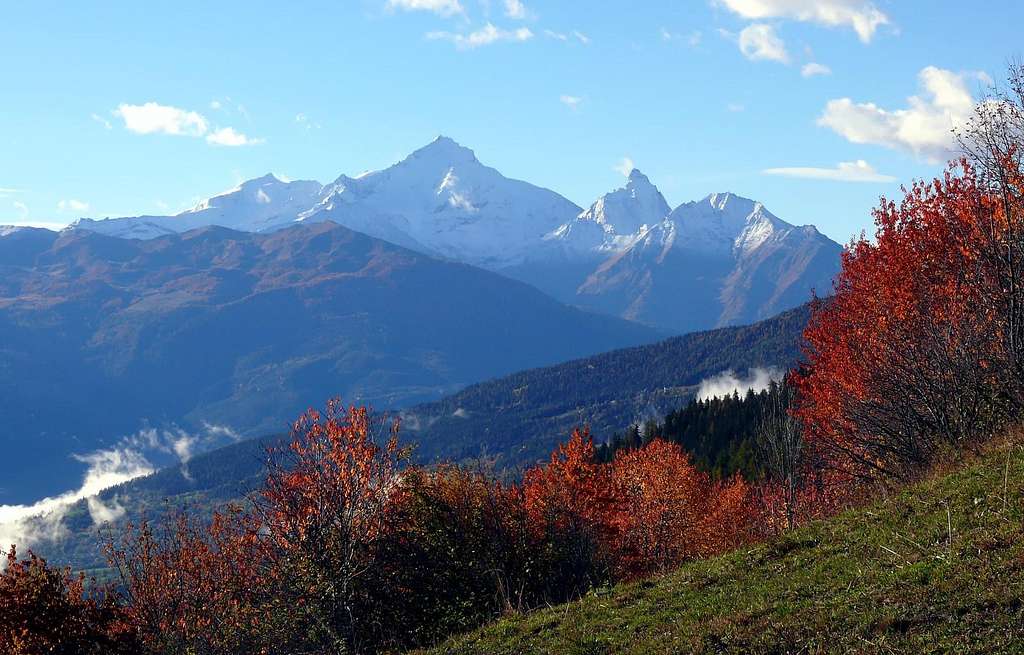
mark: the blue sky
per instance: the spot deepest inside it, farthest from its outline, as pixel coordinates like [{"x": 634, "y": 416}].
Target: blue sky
[{"x": 128, "y": 108}]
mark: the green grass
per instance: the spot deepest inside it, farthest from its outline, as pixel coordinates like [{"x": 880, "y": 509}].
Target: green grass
[{"x": 884, "y": 579}]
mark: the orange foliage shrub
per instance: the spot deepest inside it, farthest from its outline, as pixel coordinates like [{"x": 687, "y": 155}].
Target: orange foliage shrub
[
  {"x": 48, "y": 610},
  {"x": 661, "y": 510},
  {"x": 648, "y": 510},
  {"x": 195, "y": 584}
]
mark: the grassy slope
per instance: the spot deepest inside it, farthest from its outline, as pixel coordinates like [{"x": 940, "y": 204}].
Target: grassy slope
[{"x": 883, "y": 579}]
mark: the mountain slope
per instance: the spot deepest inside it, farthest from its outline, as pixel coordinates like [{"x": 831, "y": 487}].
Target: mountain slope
[
  {"x": 100, "y": 336},
  {"x": 517, "y": 419},
  {"x": 936, "y": 569},
  {"x": 522, "y": 417}
]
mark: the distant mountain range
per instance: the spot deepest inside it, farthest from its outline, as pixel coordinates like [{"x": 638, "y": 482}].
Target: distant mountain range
[
  {"x": 723, "y": 260},
  {"x": 101, "y": 336}
]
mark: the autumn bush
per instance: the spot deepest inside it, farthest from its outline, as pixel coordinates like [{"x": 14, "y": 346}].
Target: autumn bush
[{"x": 48, "y": 610}]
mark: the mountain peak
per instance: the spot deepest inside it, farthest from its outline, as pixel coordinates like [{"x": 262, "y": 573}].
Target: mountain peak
[
  {"x": 626, "y": 210},
  {"x": 635, "y": 176},
  {"x": 445, "y": 149},
  {"x": 726, "y": 198}
]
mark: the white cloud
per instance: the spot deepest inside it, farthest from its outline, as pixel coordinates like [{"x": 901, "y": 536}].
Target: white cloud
[
  {"x": 572, "y": 102},
  {"x": 558, "y": 36},
  {"x": 728, "y": 382},
  {"x": 102, "y": 121},
  {"x": 486, "y": 35},
  {"x": 814, "y": 68},
  {"x": 924, "y": 127},
  {"x": 22, "y": 209},
  {"x": 760, "y": 42},
  {"x": 439, "y": 7},
  {"x": 25, "y": 525},
  {"x": 101, "y": 512},
  {"x": 72, "y": 205},
  {"x": 153, "y": 118},
  {"x": 515, "y": 9},
  {"x": 304, "y": 120},
  {"x": 847, "y": 171},
  {"x": 861, "y": 15},
  {"x": 625, "y": 167},
  {"x": 228, "y": 136},
  {"x": 581, "y": 37},
  {"x": 692, "y": 39},
  {"x": 215, "y": 104}
]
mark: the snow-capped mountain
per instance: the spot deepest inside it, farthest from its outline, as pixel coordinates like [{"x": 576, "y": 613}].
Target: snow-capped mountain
[
  {"x": 441, "y": 200},
  {"x": 617, "y": 218},
  {"x": 721, "y": 260},
  {"x": 258, "y": 205}
]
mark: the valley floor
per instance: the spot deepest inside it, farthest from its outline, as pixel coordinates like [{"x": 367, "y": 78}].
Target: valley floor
[{"x": 938, "y": 568}]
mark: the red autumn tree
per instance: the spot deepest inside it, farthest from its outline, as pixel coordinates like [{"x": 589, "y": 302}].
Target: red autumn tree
[
  {"x": 904, "y": 359},
  {"x": 328, "y": 500},
  {"x": 662, "y": 508},
  {"x": 922, "y": 349},
  {"x": 733, "y": 516},
  {"x": 48, "y": 610},
  {"x": 572, "y": 507}
]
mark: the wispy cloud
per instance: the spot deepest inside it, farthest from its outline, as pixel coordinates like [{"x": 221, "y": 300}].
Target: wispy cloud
[
  {"x": 581, "y": 37},
  {"x": 572, "y": 102},
  {"x": 487, "y": 35},
  {"x": 515, "y": 9},
  {"x": 228, "y": 136},
  {"x": 625, "y": 167},
  {"x": 304, "y": 120},
  {"x": 72, "y": 205},
  {"x": 154, "y": 118},
  {"x": 760, "y": 42},
  {"x": 729, "y": 382},
  {"x": 29, "y": 524},
  {"x": 861, "y": 15},
  {"x": 692, "y": 39},
  {"x": 847, "y": 171},
  {"x": 813, "y": 68},
  {"x": 924, "y": 127},
  {"x": 102, "y": 121},
  {"x": 439, "y": 7}
]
